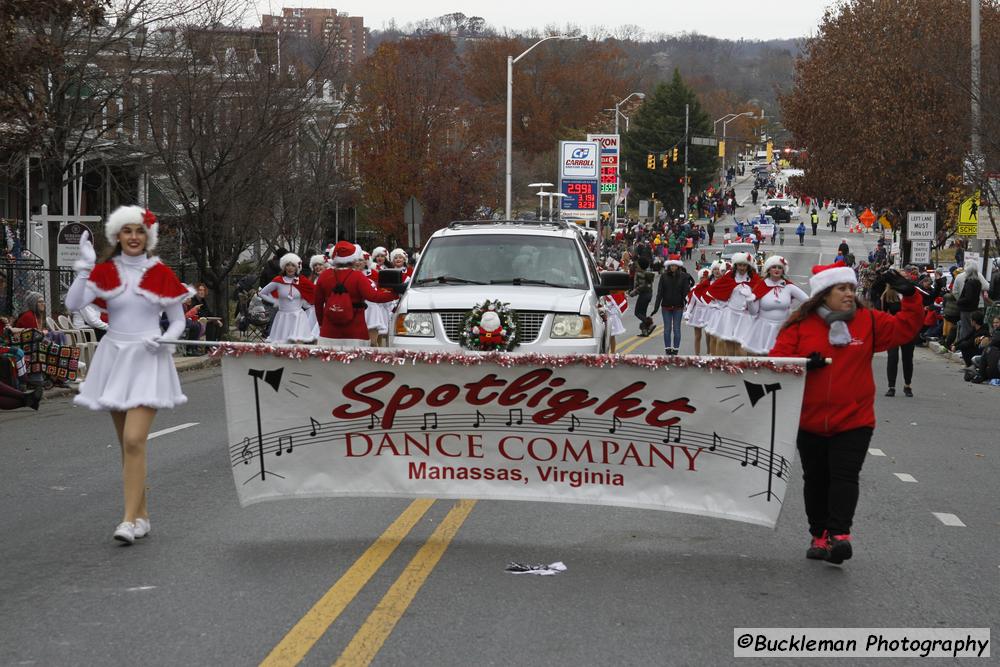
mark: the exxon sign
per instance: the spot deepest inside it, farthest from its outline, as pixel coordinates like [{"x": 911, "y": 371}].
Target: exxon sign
[{"x": 579, "y": 159}]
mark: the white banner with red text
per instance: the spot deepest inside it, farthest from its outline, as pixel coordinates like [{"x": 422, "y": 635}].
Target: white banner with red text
[{"x": 713, "y": 437}]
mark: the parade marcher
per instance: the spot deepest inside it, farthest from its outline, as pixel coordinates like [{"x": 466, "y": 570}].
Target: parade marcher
[
  {"x": 317, "y": 265},
  {"x": 380, "y": 258},
  {"x": 838, "y": 405},
  {"x": 91, "y": 317},
  {"x": 697, "y": 307},
  {"x": 376, "y": 315},
  {"x": 642, "y": 289},
  {"x": 671, "y": 298},
  {"x": 776, "y": 298},
  {"x": 615, "y": 305},
  {"x": 889, "y": 302},
  {"x": 734, "y": 291},
  {"x": 814, "y": 220},
  {"x": 341, "y": 294},
  {"x": 132, "y": 373},
  {"x": 292, "y": 294}
]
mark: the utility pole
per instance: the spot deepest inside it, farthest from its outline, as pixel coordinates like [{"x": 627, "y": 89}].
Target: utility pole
[
  {"x": 977, "y": 161},
  {"x": 687, "y": 187}
]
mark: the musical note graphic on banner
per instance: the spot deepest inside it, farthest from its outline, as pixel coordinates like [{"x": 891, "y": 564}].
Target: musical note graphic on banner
[
  {"x": 716, "y": 441},
  {"x": 373, "y": 420},
  {"x": 615, "y": 423},
  {"x": 245, "y": 452},
  {"x": 480, "y": 418},
  {"x": 669, "y": 429},
  {"x": 510, "y": 416},
  {"x": 573, "y": 423},
  {"x": 746, "y": 456},
  {"x": 315, "y": 427},
  {"x": 433, "y": 416},
  {"x": 281, "y": 440}
]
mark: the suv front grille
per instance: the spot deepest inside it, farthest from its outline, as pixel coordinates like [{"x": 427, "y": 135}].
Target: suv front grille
[{"x": 531, "y": 323}]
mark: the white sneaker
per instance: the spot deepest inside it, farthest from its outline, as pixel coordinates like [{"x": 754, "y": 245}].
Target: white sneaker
[
  {"x": 141, "y": 528},
  {"x": 125, "y": 532}
]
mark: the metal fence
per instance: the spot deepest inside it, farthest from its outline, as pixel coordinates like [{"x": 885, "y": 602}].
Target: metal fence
[{"x": 19, "y": 277}]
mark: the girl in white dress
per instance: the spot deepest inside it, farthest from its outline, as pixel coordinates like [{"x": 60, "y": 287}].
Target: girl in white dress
[
  {"x": 776, "y": 298},
  {"x": 376, "y": 317},
  {"x": 712, "y": 309},
  {"x": 317, "y": 264},
  {"x": 132, "y": 373},
  {"x": 292, "y": 294},
  {"x": 697, "y": 308},
  {"x": 735, "y": 292}
]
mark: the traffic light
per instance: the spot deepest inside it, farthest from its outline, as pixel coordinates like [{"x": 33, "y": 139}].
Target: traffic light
[
  {"x": 665, "y": 160},
  {"x": 650, "y": 161},
  {"x": 675, "y": 153}
]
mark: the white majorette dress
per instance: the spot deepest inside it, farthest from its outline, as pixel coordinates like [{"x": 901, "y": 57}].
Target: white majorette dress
[
  {"x": 124, "y": 374},
  {"x": 292, "y": 295},
  {"x": 697, "y": 307},
  {"x": 775, "y": 300},
  {"x": 734, "y": 292},
  {"x": 376, "y": 316},
  {"x": 615, "y": 306}
]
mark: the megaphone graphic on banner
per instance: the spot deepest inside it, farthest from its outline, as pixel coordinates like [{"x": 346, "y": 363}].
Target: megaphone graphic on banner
[
  {"x": 758, "y": 391},
  {"x": 273, "y": 378}
]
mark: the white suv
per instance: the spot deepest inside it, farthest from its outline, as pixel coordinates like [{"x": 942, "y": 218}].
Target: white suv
[{"x": 542, "y": 269}]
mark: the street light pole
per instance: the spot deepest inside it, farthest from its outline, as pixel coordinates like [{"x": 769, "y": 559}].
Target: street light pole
[
  {"x": 510, "y": 106},
  {"x": 614, "y": 200}
]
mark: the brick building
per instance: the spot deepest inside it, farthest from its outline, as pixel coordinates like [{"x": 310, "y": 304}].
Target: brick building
[{"x": 347, "y": 34}]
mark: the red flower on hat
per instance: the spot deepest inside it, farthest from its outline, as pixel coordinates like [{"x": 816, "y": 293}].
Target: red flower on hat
[{"x": 148, "y": 219}]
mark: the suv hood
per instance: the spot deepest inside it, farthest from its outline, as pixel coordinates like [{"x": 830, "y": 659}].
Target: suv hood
[{"x": 464, "y": 297}]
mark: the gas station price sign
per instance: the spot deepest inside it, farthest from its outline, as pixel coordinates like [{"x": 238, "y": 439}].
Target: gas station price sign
[{"x": 581, "y": 195}]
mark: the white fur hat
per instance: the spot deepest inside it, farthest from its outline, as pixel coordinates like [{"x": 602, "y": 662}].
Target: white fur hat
[
  {"x": 396, "y": 253},
  {"x": 132, "y": 215},
  {"x": 289, "y": 258},
  {"x": 317, "y": 259},
  {"x": 775, "y": 260},
  {"x": 718, "y": 264},
  {"x": 380, "y": 251},
  {"x": 741, "y": 258},
  {"x": 833, "y": 274}
]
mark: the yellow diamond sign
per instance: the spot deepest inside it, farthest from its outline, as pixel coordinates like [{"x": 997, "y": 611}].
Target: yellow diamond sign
[{"x": 968, "y": 216}]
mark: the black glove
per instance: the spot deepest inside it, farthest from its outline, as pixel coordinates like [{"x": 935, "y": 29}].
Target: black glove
[
  {"x": 896, "y": 281},
  {"x": 815, "y": 361}
]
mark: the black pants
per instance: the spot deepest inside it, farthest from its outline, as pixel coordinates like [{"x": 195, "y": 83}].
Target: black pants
[
  {"x": 814, "y": 226},
  {"x": 642, "y": 304},
  {"x": 831, "y": 466},
  {"x": 893, "y": 366}
]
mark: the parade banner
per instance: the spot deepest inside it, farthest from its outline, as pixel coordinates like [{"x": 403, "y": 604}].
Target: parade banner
[{"x": 704, "y": 436}]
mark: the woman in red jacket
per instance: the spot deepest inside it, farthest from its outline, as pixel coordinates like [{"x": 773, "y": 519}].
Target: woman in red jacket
[
  {"x": 838, "y": 407},
  {"x": 341, "y": 318}
]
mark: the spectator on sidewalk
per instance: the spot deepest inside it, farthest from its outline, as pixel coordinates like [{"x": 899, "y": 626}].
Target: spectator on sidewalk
[
  {"x": 969, "y": 288},
  {"x": 975, "y": 337},
  {"x": 988, "y": 368}
]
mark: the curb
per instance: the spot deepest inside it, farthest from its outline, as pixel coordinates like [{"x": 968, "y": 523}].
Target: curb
[{"x": 182, "y": 364}]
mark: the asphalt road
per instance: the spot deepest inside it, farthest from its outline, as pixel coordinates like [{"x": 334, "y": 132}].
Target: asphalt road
[{"x": 322, "y": 581}]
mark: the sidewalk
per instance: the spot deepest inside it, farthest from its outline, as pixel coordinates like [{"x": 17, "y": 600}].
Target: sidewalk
[{"x": 181, "y": 363}]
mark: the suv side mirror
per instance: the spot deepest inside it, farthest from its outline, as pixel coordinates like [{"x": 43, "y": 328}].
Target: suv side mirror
[
  {"x": 613, "y": 281},
  {"x": 392, "y": 279}
]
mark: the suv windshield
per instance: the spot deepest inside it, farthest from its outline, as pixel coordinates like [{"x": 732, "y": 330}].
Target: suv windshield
[{"x": 502, "y": 258}]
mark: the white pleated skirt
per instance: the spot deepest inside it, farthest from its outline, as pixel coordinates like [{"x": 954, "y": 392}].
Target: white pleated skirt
[
  {"x": 732, "y": 324},
  {"x": 123, "y": 375},
  {"x": 711, "y": 318},
  {"x": 290, "y": 326},
  {"x": 698, "y": 313},
  {"x": 615, "y": 325},
  {"x": 762, "y": 335},
  {"x": 377, "y": 317}
]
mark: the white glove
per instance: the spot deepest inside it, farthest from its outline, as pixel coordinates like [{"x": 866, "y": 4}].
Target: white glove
[
  {"x": 154, "y": 346},
  {"x": 88, "y": 257}
]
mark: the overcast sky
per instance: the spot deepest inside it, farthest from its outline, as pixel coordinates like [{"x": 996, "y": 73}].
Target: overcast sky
[{"x": 732, "y": 19}]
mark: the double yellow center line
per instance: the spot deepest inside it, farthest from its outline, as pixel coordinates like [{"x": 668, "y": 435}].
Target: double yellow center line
[
  {"x": 379, "y": 625},
  {"x": 632, "y": 343}
]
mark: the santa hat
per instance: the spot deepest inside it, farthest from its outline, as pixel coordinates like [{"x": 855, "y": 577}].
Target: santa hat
[
  {"x": 825, "y": 277},
  {"x": 775, "y": 260},
  {"x": 397, "y": 253},
  {"x": 317, "y": 259},
  {"x": 741, "y": 258},
  {"x": 132, "y": 215},
  {"x": 345, "y": 252},
  {"x": 289, "y": 258},
  {"x": 673, "y": 260}
]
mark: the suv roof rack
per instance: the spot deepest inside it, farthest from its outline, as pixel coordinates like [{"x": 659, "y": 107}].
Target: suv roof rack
[{"x": 560, "y": 224}]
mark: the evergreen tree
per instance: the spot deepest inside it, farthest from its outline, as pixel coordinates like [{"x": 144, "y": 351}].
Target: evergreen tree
[{"x": 658, "y": 127}]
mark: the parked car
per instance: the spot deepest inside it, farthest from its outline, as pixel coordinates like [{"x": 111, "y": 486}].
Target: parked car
[{"x": 541, "y": 269}]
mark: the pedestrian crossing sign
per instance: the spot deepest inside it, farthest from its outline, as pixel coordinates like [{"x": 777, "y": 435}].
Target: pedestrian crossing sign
[{"x": 968, "y": 216}]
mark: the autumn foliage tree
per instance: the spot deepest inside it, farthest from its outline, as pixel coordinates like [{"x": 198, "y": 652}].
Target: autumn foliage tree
[
  {"x": 881, "y": 102},
  {"x": 418, "y": 133}
]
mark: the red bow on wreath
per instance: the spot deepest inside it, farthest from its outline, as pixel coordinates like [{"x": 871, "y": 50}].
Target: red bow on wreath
[{"x": 148, "y": 219}]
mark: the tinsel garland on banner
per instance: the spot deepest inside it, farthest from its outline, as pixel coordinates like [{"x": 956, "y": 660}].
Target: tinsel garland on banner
[{"x": 399, "y": 357}]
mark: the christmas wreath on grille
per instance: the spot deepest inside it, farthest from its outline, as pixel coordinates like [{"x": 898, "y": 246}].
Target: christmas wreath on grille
[{"x": 490, "y": 327}]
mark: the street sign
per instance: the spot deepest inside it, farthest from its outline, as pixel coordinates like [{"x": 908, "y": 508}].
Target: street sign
[
  {"x": 921, "y": 225},
  {"x": 704, "y": 141},
  {"x": 579, "y": 159},
  {"x": 885, "y": 222},
  {"x": 867, "y": 218},
  {"x": 968, "y": 216},
  {"x": 920, "y": 252},
  {"x": 972, "y": 259},
  {"x": 413, "y": 217},
  {"x": 722, "y": 149},
  {"x": 68, "y": 243},
  {"x": 985, "y": 230}
]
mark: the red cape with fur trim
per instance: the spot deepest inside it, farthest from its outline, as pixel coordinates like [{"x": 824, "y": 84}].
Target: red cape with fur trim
[
  {"x": 762, "y": 288},
  {"x": 723, "y": 288},
  {"x": 305, "y": 287},
  {"x": 159, "y": 283}
]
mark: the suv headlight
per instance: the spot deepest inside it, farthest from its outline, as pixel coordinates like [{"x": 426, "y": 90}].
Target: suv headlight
[
  {"x": 572, "y": 326},
  {"x": 415, "y": 324}
]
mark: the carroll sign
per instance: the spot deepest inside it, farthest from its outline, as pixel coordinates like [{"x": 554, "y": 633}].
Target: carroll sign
[{"x": 583, "y": 429}]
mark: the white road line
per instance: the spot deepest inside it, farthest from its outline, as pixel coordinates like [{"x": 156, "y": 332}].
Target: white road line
[
  {"x": 949, "y": 519},
  {"x": 172, "y": 429},
  {"x": 875, "y": 452},
  {"x": 905, "y": 477}
]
